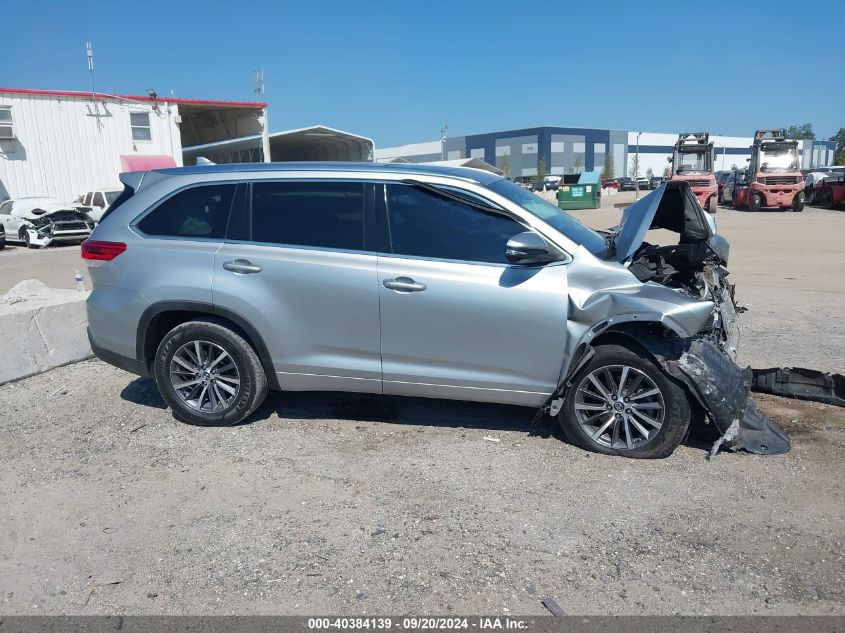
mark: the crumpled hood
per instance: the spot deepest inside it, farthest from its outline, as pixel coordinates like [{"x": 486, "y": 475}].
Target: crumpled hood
[
  {"x": 25, "y": 208},
  {"x": 671, "y": 206}
]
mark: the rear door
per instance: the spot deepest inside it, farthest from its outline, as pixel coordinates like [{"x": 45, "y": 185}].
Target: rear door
[
  {"x": 296, "y": 265},
  {"x": 456, "y": 320}
]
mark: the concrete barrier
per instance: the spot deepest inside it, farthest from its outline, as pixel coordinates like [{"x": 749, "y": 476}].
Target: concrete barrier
[{"x": 41, "y": 328}]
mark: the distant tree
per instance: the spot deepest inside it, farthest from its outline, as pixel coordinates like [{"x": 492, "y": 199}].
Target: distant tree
[
  {"x": 667, "y": 172},
  {"x": 839, "y": 137},
  {"x": 801, "y": 131},
  {"x": 505, "y": 166},
  {"x": 542, "y": 171},
  {"x": 578, "y": 165},
  {"x": 634, "y": 172},
  {"x": 734, "y": 167},
  {"x": 649, "y": 173},
  {"x": 607, "y": 172}
]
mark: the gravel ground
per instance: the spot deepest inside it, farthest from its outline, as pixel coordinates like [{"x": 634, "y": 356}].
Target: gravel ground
[{"x": 359, "y": 504}]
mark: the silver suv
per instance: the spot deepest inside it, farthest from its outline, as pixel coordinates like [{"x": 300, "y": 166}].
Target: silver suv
[{"x": 225, "y": 281}]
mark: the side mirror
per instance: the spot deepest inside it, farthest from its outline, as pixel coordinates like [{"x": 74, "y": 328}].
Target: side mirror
[{"x": 528, "y": 248}]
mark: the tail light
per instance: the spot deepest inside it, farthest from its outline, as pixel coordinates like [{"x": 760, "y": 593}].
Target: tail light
[{"x": 102, "y": 251}]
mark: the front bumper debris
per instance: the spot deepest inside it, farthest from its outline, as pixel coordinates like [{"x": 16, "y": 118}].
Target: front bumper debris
[{"x": 723, "y": 390}]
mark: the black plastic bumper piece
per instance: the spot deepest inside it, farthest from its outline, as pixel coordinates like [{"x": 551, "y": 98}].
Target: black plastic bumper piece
[
  {"x": 132, "y": 365},
  {"x": 723, "y": 389}
]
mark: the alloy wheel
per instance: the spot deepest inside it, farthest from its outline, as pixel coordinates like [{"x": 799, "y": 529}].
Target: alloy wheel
[
  {"x": 619, "y": 407},
  {"x": 205, "y": 376}
]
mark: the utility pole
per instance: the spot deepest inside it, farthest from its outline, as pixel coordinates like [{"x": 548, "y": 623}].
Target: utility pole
[
  {"x": 265, "y": 122},
  {"x": 443, "y": 141},
  {"x": 636, "y": 175},
  {"x": 89, "y": 53}
]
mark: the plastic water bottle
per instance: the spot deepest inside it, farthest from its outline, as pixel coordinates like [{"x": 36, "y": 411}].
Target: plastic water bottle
[{"x": 79, "y": 280}]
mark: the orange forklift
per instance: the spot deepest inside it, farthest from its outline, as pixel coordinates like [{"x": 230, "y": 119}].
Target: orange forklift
[
  {"x": 692, "y": 162},
  {"x": 773, "y": 179}
]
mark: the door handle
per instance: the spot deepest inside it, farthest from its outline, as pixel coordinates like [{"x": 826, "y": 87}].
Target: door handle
[
  {"x": 242, "y": 266},
  {"x": 403, "y": 284}
]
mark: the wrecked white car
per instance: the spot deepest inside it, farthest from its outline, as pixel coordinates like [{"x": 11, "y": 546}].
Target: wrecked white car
[{"x": 39, "y": 222}]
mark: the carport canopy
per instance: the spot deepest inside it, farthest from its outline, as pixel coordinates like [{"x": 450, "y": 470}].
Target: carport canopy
[{"x": 316, "y": 143}]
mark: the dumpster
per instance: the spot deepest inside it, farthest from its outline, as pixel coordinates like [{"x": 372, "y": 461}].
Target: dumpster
[{"x": 580, "y": 191}]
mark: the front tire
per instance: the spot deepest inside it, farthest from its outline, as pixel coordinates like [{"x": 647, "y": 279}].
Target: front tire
[
  {"x": 755, "y": 201},
  {"x": 621, "y": 403},
  {"x": 712, "y": 204},
  {"x": 208, "y": 374},
  {"x": 24, "y": 235},
  {"x": 798, "y": 203}
]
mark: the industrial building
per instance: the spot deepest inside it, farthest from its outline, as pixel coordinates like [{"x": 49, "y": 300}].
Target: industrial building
[
  {"x": 519, "y": 153},
  {"x": 60, "y": 143}
]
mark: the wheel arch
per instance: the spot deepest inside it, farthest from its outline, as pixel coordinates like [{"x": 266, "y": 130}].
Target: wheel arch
[{"x": 158, "y": 319}]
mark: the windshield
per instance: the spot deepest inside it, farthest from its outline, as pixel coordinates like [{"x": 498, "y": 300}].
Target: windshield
[
  {"x": 550, "y": 214},
  {"x": 691, "y": 162},
  {"x": 111, "y": 196},
  {"x": 774, "y": 158}
]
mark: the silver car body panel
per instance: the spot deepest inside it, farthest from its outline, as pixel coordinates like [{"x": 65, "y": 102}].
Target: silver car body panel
[{"x": 479, "y": 332}]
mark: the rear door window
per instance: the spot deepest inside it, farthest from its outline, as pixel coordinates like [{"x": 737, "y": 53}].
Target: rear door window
[
  {"x": 98, "y": 200},
  {"x": 198, "y": 212},
  {"x": 327, "y": 214}
]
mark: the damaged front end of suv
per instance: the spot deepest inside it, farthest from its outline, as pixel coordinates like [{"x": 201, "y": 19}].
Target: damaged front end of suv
[{"x": 682, "y": 314}]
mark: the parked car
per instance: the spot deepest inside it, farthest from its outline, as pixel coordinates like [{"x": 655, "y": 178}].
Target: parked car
[
  {"x": 610, "y": 183},
  {"x": 644, "y": 183},
  {"x": 40, "y": 222},
  {"x": 320, "y": 271},
  {"x": 551, "y": 183},
  {"x": 721, "y": 179},
  {"x": 654, "y": 182},
  {"x": 626, "y": 184},
  {"x": 2, "y": 237},
  {"x": 734, "y": 180},
  {"x": 98, "y": 201},
  {"x": 813, "y": 182}
]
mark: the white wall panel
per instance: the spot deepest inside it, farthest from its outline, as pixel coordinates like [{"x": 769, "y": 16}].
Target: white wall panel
[{"x": 66, "y": 146}]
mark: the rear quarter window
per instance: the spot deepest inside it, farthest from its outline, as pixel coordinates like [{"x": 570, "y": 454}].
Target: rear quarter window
[{"x": 199, "y": 212}]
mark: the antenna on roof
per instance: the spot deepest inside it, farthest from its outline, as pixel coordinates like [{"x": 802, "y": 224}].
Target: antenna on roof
[
  {"x": 259, "y": 81},
  {"x": 89, "y": 52}
]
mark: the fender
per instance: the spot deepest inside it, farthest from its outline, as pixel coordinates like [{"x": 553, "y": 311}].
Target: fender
[{"x": 209, "y": 309}]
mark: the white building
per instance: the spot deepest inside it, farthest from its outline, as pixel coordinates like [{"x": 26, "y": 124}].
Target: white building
[{"x": 64, "y": 143}]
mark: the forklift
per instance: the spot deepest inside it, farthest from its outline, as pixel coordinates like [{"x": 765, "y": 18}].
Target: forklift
[
  {"x": 773, "y": 179},
  {"x": 692, "y": 162}
]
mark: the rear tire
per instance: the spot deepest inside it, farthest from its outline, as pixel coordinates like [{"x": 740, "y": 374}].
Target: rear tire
[
  {"x": 827, "y": 199},
  {"x": 189, "y": 383},
  {"x": 755, "y": 201},
  {"x": 610, "y": 422}
]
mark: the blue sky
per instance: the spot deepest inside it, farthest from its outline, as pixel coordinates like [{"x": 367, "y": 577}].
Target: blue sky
[{"x": 397, "y": 71}]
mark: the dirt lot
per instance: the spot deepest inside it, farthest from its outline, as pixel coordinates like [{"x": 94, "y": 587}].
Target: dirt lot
[
  {"x": 359, "y": 504},
  {"x": 336, "y": 503}
]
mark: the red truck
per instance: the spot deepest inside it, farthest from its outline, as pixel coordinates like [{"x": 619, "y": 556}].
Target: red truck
[
  {"x": 773, "y": 179},
  {"x": 692, "y": 162},
  {"x": 833, "y": 190}
]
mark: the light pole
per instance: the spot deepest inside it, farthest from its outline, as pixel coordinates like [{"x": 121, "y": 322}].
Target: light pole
[
  {"x": 443, "y": 141},
  {"x": 637, "y": 170}
]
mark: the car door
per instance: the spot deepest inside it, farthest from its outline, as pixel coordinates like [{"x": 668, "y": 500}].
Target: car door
[
  {"x": 728, "y": 188},
  {"x": 5, "y": 218},
  {"x": 11, "y": 222},
  {"x": 456, "y": 320},
  {"x": 297, "y": 268}
]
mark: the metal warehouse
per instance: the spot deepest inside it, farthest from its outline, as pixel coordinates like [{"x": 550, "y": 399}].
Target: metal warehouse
[
  {"x": 62, "y": 144},
  {"x": 570, "y": 150}
]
